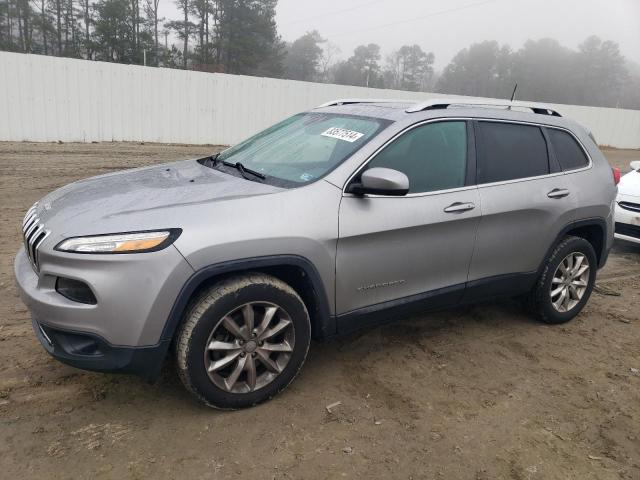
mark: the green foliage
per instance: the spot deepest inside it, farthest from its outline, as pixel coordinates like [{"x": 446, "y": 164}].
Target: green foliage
[
  {"x": 409, "y": 68},
  {"x": 362, "y": 68},
  {"x": 248, "y": 41},
  {"x": 303, "y": 57},
  {"x": 596, "y": 74},
  {"x": 241, "y": 37}
]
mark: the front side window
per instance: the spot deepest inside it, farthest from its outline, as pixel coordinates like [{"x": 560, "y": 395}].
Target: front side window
[
  {"x": 569, "y": 153},
  {"x": 508, "y": 151},
  {"x": 304, "y": 147},
  {"x": 433, "y": 156}
]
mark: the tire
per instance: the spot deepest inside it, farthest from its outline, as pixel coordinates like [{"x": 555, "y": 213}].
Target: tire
[
  {"x": 218, "y": 358},
  {"x": 540, "y": 301}
]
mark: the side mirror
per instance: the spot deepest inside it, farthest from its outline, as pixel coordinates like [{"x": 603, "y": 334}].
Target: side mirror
[
  {"x": 381, "y": 181},
  {"x": 635, "y": 165}
]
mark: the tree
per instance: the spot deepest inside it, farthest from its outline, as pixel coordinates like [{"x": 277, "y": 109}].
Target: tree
[
  {"x": 478, "y": 71},
  {"x": 365, "y": 59},
  {"x": 58, "y": 13},
  {"x": 240, "y": 37},
  {"x": 631, "y": 89},
  {"x": 409, "y": 68},
  {"x": 203, "y": 10},
  {"x": 135, "y": 32},
  {"x": 87, "y": 19},
  {"x": 183, "y": 28},
  {"x": 544, "y": 69},
  {"x": 151, "y": 12},
  {"x": 602, "y": 72},
  {"x": 327, "y": 61},
  {"x": 248, "y": 41},
  {"x": 303, "y": 57},
  {"x": 25, "y": 28},
  {"x": 362, "y": 68},
  {"x": 114, "y": 31}
]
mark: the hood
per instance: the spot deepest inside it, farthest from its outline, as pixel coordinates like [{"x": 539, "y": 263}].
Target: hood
[
  {"x": 630, "y": 184},
  {"x": 140, "y": 199}
]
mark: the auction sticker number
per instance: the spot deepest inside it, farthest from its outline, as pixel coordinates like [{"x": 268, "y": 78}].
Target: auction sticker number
[{"x": 343, "y": 134}]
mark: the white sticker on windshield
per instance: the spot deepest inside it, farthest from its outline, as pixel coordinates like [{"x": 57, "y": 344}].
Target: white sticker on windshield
[{"x": 343, "y": 134}]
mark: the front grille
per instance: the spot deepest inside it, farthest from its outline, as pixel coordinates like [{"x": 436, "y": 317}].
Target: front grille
[
  {"x": 628, "y": 230},
  {"x": 33, "y": 232},
  {"x": 634, "y": 207}
]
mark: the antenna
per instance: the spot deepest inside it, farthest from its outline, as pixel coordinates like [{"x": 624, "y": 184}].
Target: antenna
[{"x": 513, "y": 94}]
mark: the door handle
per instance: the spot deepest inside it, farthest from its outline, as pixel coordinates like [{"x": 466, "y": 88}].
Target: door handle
[
  {"x": 558, "y": 193},
  {"x": 459, "y": 207}
]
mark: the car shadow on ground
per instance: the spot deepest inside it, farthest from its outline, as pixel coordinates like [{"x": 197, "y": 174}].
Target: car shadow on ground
[{"x": 444, "y": 327}]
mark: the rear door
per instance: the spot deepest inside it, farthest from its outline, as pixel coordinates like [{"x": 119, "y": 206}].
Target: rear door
[
  {"x": 526, "y": 201},
  {"x": 417, "y": 246}
]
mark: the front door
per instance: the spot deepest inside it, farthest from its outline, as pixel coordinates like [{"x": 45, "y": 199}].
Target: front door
[{"x": 394, "y": 250}]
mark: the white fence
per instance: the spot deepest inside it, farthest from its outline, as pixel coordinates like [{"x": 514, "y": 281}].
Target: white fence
[{"x": 49, "y": 99}]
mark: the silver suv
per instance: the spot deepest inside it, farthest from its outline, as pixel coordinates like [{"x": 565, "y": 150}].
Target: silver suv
[{"x": 351, "y": 214}]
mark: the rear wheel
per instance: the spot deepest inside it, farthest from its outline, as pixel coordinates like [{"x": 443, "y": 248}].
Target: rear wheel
[
  {"x": 566, "y": 283},
  {"x": 243, "y": 341}
]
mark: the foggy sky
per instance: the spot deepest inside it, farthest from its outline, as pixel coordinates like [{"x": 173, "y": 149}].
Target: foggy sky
[{"x": 446, "y": 26}]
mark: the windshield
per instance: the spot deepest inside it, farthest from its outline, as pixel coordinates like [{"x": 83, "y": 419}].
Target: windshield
[{"x": 304, "y": 147}]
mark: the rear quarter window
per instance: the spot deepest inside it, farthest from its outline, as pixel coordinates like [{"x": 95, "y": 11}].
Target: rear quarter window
[
  {"x": 509, "y": 151},
  {"x": 568, "y": 152}
]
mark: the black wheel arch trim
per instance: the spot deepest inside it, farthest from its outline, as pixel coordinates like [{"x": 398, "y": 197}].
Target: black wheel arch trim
[
  {"x": 586, "y": 222},
  {"x": 326, "y": 322}
]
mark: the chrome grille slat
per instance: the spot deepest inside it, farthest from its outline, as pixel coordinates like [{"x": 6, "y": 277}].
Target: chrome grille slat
[
  {"x": 36, "y": 244},
  {"x": 28, "y": 218},
  {"x": 34, "y": 233},
  {"x": 32, "y": 240},
  {"x": 30, "y": 228},
  {"x": 29, "y": 223}
]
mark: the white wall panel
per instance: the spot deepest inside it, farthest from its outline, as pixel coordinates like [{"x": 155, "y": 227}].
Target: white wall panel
[{"x": 48, "y": 99}]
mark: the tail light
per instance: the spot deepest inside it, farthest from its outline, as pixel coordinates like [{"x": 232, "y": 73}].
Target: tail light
[{"x": 616, "y": 175}]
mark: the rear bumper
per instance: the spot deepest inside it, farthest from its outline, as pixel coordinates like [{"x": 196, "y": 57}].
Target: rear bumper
[{"x": 90, "y": 352}]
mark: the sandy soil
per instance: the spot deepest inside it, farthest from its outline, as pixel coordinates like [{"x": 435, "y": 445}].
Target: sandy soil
[{"x": 476, "y": 393}]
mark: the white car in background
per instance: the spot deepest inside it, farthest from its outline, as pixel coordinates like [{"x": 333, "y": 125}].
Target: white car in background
[{"x": 628, "y": 205}]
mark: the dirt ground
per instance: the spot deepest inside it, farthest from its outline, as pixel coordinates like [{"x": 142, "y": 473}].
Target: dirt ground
[{"x": 476, "y": 393}]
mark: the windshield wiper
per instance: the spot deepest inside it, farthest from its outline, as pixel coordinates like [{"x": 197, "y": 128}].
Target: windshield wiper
[
  {"x": 244, "y": 170},
  {"x": 213, "y": 159}
]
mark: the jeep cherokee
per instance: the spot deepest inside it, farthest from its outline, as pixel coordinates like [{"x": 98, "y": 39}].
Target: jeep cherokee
[{"x": 348, "y": 215}]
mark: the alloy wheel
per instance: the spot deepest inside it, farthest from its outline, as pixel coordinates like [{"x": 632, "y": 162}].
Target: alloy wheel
[
  {"x": 570, "y": 282},
  {"x": 249, "y": 347}
]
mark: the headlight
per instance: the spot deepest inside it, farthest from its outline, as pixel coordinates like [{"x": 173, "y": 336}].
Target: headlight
[{"x": 134, "y": 242}]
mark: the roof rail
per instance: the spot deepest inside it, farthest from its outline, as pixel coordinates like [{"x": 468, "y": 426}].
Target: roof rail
[
  {"x": 350, "y": 101},
  {"x": 443, "y": 103}
]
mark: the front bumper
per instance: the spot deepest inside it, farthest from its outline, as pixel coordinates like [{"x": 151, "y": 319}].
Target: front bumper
[
  {"x": 627, "y": 225},
  {"x": 122, "y": 331},
  {"x": 89, "y": 352}
]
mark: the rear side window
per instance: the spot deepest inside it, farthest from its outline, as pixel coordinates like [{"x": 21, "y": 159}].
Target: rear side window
[
  {"x": 432, "y": 156},
  {"x": 569, "y": 153},
  {"x": 508, "y": 151}
]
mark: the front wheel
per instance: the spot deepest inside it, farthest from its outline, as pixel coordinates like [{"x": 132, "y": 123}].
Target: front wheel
[
  {"x": 243, "y": 341},
  {"x": 566, "y": 282}
]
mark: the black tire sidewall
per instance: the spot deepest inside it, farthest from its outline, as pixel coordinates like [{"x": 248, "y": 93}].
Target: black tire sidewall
[
  {"x": 254, "y": 292},
  {"x": 571, "y": 245}
]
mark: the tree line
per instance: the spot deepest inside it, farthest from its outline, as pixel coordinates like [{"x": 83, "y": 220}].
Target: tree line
[
  {"x": 241, "y": 37},
  {"x": 232, "y": 36},
  {"x": 596, "y": 73}
]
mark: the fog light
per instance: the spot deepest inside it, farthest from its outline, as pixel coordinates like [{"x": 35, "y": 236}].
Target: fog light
[{"x": 75, "y": 290}]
